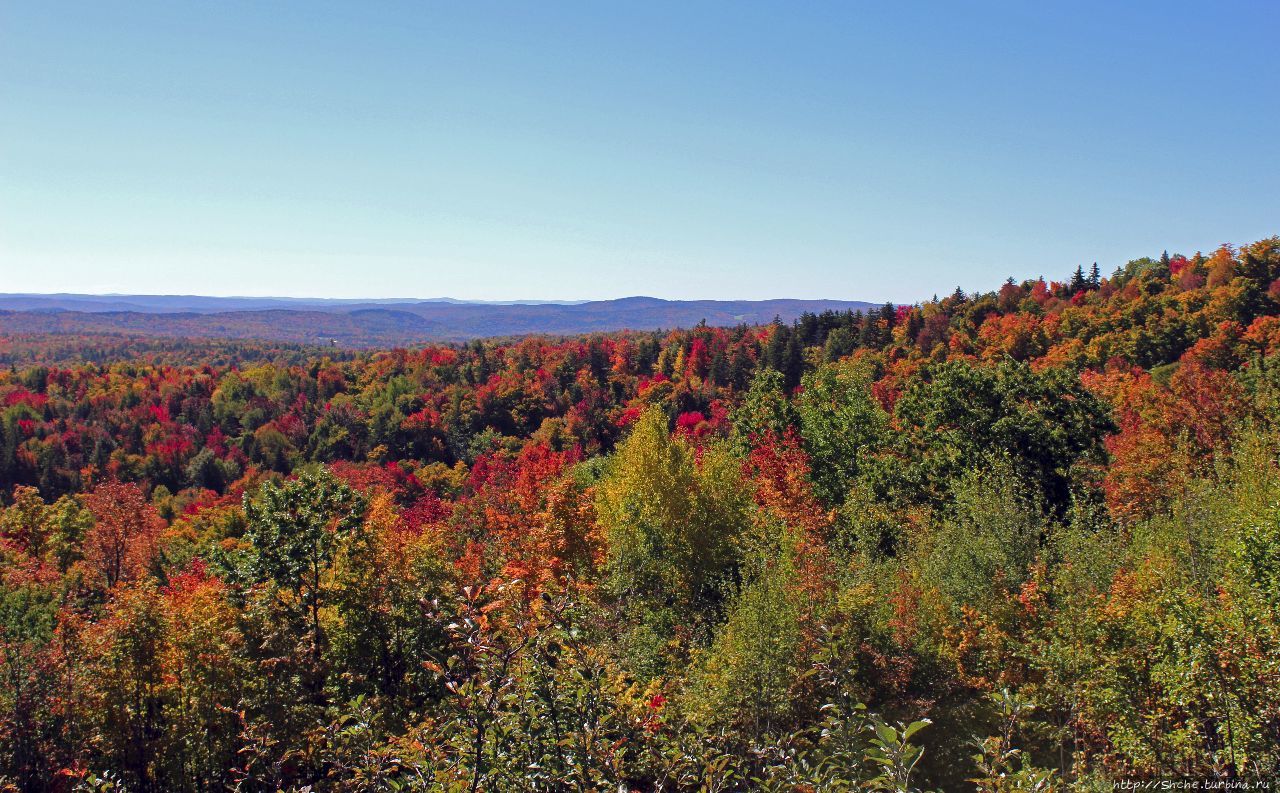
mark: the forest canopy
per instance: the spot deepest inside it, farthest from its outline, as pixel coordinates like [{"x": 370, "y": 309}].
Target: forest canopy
[{"x": 1020, "y": 540}]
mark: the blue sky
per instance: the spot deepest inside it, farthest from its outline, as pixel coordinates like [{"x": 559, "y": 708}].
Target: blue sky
[{"x": 592, "y": 150}]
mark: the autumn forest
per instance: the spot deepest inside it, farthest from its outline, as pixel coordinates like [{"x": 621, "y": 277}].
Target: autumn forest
[{"x": 1018, "y": 540}]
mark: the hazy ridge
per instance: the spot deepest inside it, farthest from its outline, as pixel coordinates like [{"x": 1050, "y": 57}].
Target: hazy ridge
[{"x": 365, "y": 323}]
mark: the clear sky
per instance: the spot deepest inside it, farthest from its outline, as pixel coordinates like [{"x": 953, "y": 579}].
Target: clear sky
[{"x": 603, "y": 149}]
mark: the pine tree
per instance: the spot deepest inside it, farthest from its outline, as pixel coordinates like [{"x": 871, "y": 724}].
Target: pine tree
[
  {"x": 775, "y": 349},
  {"x": 793, "y": 361},
  {"x": 1078, "y": 282}
]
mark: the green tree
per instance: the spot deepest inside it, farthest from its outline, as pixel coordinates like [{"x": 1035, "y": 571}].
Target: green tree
[
  {"x": 746, "y": 676},
  {"x": 841, "y": 424},
  {"x": 1045, "y": 423},
  {"x": 673, "y": 525},
  {"x": 764, "y": 410},
  {"x": 297, "y": 530},
  {"x": 988, "y": 537}
]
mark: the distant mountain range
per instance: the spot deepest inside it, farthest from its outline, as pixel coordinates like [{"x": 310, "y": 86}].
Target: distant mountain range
[
  {"x": 201, "y": 304},
  {"x": 377, "y": 323}
]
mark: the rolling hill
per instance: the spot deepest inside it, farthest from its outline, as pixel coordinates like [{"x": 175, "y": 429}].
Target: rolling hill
[{"x": 372, "y": 323}]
